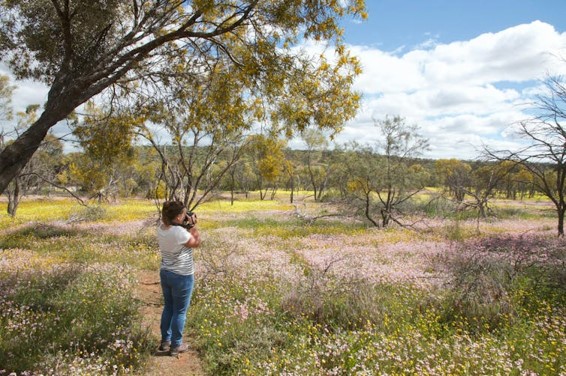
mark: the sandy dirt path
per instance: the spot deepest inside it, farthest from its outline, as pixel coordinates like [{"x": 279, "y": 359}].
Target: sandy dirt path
[{"x": 149, "y": 292}]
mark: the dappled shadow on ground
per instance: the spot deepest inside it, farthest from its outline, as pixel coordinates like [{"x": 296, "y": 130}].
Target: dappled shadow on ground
[{"x": 42, "y": 231}]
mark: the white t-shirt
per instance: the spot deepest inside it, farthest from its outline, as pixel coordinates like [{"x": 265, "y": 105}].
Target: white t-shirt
[{"x": 175, "y": 256}]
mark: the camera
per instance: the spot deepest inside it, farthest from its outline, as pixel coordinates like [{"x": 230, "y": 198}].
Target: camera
[{"x": 190, "y": 220}]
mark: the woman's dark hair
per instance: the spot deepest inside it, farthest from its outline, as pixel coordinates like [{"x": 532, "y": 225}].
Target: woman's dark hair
[{"x": 170, "y": 210}]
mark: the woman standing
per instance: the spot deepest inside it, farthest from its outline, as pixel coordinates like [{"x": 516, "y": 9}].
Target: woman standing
[{"x": 177, "y": 236}]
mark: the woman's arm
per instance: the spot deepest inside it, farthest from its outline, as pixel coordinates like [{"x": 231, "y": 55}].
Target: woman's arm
[{"x": 194, "y": 241}]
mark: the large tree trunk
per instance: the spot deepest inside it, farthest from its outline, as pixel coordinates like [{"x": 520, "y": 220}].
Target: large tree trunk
[
  {"x": 16, "y": 155},
  {"x": 62, "y": 100}
]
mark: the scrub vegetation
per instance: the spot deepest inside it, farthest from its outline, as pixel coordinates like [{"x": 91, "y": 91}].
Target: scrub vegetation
[{"x": 279, "y": 295}]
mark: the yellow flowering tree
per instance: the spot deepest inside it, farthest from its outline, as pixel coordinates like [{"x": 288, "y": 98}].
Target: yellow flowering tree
[{"x": 83, "y": 48}]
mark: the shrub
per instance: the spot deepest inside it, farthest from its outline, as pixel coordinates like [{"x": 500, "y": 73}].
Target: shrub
[
  {"x": 30, "y": 234},
  {"x": 435, "y": 207},
  {"x": 352, "y": 304},
  {"x": 52, "y": 322},
  {"x": 92, "y": 213},
  {"x": 492, "y": 279}
]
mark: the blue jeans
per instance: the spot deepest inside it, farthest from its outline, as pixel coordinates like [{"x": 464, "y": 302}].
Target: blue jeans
[{"x": 177, "y": 291}]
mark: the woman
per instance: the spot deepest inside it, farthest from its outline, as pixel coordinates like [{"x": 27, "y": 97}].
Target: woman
[{"x": 177, "y": 272}]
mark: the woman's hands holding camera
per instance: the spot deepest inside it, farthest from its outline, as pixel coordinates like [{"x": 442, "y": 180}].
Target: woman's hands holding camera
[
  {"x": 190, "y": 220},
  {"x": 189, "y": 223}
]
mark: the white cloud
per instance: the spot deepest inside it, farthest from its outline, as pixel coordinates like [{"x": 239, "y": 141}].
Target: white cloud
[
  {"x": 463, "y": 94},
  {"x": 27, "y": 92},
  {"x": 517, "y": 54},
  {"x": 385, "y": 72}
]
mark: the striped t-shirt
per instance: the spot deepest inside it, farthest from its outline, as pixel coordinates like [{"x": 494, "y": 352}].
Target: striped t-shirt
[{"x": 175, "y": 256}]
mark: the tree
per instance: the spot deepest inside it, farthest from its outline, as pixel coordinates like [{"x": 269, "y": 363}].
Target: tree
[
  {"x": 382, "y": 182},
  {"x": 455, "y": 176},
  {"x": 400, "y": 181},
  {"x": 290, "y": 173},
  {"x": 231, "y": 182},
  {"x": 6, "y": 91},
  {"x": 81, "y": 48},
  {"x": 240, "y": 177},
  {"x": 268, "y": 162},
  {"x": 545, "y": 154},
  {"x": 318, "y": 169},
  {"x": 486, "y": 180},
  {"x": 206, "y": 117},
  {"x": 19, "y": 186},
  {"x": 41, "y": 169},
  {"x": 107, "y": 151},
  {"x": 524, "y": 183}
]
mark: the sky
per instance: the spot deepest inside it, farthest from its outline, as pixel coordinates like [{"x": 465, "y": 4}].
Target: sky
[{"x": 464, "y": 71}]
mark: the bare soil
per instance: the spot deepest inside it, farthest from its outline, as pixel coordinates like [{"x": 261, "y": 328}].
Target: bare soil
[{"x": 149, "y": 292}]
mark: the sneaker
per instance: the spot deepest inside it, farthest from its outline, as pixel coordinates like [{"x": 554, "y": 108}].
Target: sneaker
[
  {"x": 165, "y": 346},
  {"x": 176, "y": 350}
]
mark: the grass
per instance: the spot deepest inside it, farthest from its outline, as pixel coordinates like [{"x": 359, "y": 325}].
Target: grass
[
  {"x": 289, "y": 228},
  {"x": 276, "y": 295},
  {"x": 68, "y": 245},
  {"x": 69, "y": 320},
  {"x": 382, "y": 330}
]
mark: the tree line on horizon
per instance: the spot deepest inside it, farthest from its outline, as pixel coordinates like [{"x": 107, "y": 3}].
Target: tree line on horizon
[{"x": 378, "y": 178}]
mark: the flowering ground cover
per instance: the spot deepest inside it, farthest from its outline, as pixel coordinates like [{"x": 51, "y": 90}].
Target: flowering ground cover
[
  {"x": 374, "y": 302},
  {"x": 278, "y": 295}
]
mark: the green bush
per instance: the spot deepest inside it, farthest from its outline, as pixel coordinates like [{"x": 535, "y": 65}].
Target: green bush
[
  {"x": 434, "y": 207},
  {"x": 92, "y": 213},
  {"x": 70, "y": 319},
  {"x": 494, "y": 280}
]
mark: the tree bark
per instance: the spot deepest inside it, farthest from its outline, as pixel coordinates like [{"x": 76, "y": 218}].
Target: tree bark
[
  {"x": 16, "y": 155},
  {"x": 14, "y": 198},
  {"x": 367, "y": 211},
  {"x": 561, "y": 213}
]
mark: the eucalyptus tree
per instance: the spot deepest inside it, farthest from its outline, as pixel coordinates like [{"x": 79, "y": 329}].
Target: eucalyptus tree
[
  {"x": 486, "y": 179},
  {"x": 40, "y": 172},
  {"x": 455, "y": 176},
  {"x": 19, "y": 186},
  {"x": 383, "y": 178},
  {"x": 197, "y": 124},
  {"x": 237, "y": 179},
  {"x": 81, "y": 48},
  {"x": 317, "y": 160},
  {"x": 107, "y": 151},
  {"x": 268, "y": 161},
  {"x": 545, "y": 154},
  {"x": 6, "y": 90},
  {"x": 291, "y": 174},
  {"x": 523, "y": 183}
]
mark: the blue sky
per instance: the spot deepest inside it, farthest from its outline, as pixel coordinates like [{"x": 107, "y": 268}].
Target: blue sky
[
  {"x": 464, "y": 71},
  {"x": 395, "y": 23}
]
